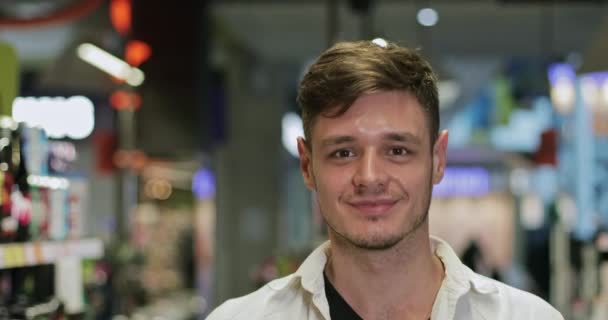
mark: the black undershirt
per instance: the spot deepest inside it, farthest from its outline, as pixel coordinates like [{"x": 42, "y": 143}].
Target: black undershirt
[{"x": 338, "y": 308}]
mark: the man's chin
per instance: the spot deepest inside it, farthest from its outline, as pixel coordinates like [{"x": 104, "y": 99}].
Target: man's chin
[{"x": 375, "y": 244}]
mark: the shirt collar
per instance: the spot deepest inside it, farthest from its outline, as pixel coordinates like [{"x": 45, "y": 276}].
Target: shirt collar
[
  {"x": 459, "y": 279},
  {"x": 311, "y": 270}
]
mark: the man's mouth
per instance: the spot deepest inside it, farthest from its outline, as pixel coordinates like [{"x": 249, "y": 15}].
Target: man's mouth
[{"x": 373, "y": 207}]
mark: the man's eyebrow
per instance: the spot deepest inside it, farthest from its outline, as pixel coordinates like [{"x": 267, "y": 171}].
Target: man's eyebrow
[
  {"x": 336, "y": 140},
  {"x": 403, "y": 137},
  {"x": 392, "y": 136}
]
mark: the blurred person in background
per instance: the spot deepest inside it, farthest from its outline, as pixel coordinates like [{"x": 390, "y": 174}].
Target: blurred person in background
[{"x": 372, "y": 152}]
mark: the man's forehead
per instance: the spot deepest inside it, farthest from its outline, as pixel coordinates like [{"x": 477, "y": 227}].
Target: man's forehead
[
  {"x": 384, "y": 109},
  {"x": 370, "y": 100}
]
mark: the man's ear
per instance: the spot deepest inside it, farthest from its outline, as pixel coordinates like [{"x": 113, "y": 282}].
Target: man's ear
[
  {"x": 440, "y": 156},
  {"x": 306, "y": 164}
]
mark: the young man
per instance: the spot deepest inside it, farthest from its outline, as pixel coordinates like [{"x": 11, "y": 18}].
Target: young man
[{"x": 372, "y": 152}]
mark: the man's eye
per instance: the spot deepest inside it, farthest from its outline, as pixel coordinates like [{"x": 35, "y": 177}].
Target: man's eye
[
  {"x": 342, "y": 154},
  {"x": 398, "y": 151}
]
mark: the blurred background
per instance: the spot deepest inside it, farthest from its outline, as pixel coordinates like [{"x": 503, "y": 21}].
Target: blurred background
[{"x": 148, "y": 167}]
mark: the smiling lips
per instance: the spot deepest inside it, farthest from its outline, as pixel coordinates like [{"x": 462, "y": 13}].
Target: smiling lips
[{"x": 373, "y": 207}]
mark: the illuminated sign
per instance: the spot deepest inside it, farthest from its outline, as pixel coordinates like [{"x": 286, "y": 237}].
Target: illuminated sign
[
  {"x": 463, "y": 181},
  {"x": 60, "y": 117}
]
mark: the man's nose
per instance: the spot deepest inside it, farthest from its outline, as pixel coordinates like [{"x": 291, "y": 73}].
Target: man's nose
[{"x": 370, "y": 174}]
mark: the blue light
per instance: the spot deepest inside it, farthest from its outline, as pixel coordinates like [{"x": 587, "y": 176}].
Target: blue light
[
  {"x": 463, "y": 181},
  {"x": 203, "y": 184},
  {"x": 561, "y": 70}
]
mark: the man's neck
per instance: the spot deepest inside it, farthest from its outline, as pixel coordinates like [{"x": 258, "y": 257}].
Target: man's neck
[{"x": 397, "y": 283}]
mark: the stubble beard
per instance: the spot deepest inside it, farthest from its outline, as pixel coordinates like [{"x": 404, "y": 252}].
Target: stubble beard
[{"x": 379, "y": 241}]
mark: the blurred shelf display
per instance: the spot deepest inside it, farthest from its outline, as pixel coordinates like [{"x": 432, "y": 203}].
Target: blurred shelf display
[
  {"x": 42, "y": 239},
  {"x": 15, "y": 255}
]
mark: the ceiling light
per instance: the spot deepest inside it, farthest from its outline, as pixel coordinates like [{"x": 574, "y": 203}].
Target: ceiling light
[
  {"x": 110, "y": 64},
  {"x": 428, "y": 17}
]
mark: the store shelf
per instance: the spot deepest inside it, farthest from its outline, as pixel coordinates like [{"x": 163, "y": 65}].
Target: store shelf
[{"x": 16, "y": 255}]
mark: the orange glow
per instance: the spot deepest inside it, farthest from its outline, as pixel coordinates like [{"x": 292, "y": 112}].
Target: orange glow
[
  {"x": 137, "y": 52},
  {"x": 121, "y": 159},
  {"x": 138, "y": 160},
  {"x": 121, "y": 100},
  {"x": 120, "y": 15},
  {"x": 134, "y": 160}
]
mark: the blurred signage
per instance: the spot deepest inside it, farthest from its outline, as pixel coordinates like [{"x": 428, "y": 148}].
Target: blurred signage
[
  {"x": 463, "y": 181},
  {"x": 60, "y": 117}
]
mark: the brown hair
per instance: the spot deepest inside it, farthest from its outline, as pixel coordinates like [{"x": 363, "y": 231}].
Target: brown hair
[{"x": 350, "y": 69}]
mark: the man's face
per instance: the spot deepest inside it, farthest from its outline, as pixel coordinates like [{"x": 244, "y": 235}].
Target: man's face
[{"x": 373, "y": 169}]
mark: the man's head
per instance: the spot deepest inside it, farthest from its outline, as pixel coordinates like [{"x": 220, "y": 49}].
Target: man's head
[
  {"x": 349, "y": 70},
  {"x": 372, "y": 150}
]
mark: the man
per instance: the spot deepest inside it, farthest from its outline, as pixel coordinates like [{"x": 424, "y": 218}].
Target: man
[{"x": 372, "y": 152}]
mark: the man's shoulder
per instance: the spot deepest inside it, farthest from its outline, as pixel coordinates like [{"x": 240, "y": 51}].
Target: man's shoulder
[
  {"x": 251, "y": 306},
  {"x": 524, "y": 305}
]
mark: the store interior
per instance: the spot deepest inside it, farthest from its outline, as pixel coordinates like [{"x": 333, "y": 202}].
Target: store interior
[{"x": 149, "y": 169}]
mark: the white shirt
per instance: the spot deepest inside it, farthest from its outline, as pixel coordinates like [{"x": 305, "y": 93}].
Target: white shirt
[{"x": 464, "y": 295}]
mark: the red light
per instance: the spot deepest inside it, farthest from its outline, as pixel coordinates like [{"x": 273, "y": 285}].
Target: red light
[
  {"x": 120, "y": 15},
  {"x": 137, "y": 52},
  {"x": 121, "y": 100}
]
